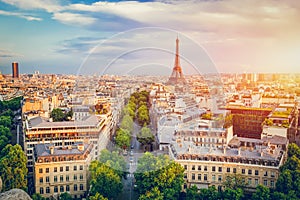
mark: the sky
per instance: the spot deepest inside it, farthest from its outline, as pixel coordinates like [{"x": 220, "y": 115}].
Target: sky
[{"x": 138, "y": 37}]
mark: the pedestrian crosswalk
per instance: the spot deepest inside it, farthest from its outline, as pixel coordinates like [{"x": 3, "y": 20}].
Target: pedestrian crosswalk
[
  {"x": 130, "y": 175},
  {"x": 133, "y": 163}
]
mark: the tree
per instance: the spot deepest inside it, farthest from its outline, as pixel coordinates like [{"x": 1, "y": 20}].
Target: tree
[
  {"x": 123, "y": 138},
  {"x": 293, "y": 149},
  {"x": 38, "y": 196},
  {"x": 192, "y": 193},
  {"x": 65, "y": 196},
  {"x": 154, "y": 193},
  {"x": 127, "y": 123},
  {"x": 159, "y": 172},
  {"x": 6, "y": 121},
  {"x": 145, "y": 137},
  {"x": 57, "y": 115},
  {"x": 231, "y": 194},
  {"x": 261, "y": 193},
  {"x": 113, "y": 160},
  {"x": 234, "y": 181},
  {"x": 13, "y": 168},
  {"x": 97, "y": 196},
  {"x": 5, "y": 136},
  {"x": 209, "y": 194},
  {"x": 104, "y": 180}
]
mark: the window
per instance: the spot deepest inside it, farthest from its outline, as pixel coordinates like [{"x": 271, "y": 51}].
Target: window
[
  {"x": 272, "y": 183},
  {"x": 75, "y": 187},
  {"x": 249, "y": 171},
  {"x": 67, "y": 168},
  {"x": 185, "y": 175},
  {"x": 243, "y": 171},
  {"x": 220, "y": 178},
  {"x": 47, "y": 170},
  {"x": 81, "y": 167},
  {"x": 67, "y": 178},
  {"x": 61, "y": 178},
  {"x": 193, "y": 177},
  {"x": 199, "y": 176},
  {"x": 205, "y": 177},
  {"x": 75, "y": 168},
  {"x": 47, "y": 179},
  {"x": 272, "y": 174},
  {"x": 199, "y": 167},
  {"x": 256, "y": 182},
  {"x": 67, "y": 188},
  {"x": 47, "y": 190},
  {"x": 249, "y": 181},
  {"x": 81, "y": 177},
  {"x": 266, "y": 173},
  {"x": 41, "y": 179},
  {"x": 256, "y": 172},
  {"x": 234, "y": 170},
  {"x": 220, "y": 169},
  {"x": 213, "y": 178},
  {"x": 213, "y": 169},
  {"x": 55, "y": 178},
  {"x": 61, "y": 169},
  {"x": 61, "y": 188},
  {"x": 205, "y": 168},
  {"x": 75, "y": 177},
  {"x": 185, "y": 186},
  {"x": 193, "y": 167},
  {"x": 81, "y": 187},
  {"x": 55, "y": 189},
  {"x": 40, "y": 170},
  {"x": 41, "y": 190},
  {"x": 265, "y": 182},
  {"x": 55, "y": 169},
  {"x": 228, "y": 169}
]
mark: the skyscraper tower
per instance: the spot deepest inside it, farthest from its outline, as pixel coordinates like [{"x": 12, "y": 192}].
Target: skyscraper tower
[
  {"x": 177, "y": 75},
  {"x": 15, "y": 70}
]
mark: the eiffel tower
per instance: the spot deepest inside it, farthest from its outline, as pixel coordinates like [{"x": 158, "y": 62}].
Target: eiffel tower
[{"x": 176, "y": 77}]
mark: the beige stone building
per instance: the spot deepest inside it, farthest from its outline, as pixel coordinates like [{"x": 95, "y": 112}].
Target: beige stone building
[
  {"x": 207, "y": 158},
  {"x": 62, "y": 169}
]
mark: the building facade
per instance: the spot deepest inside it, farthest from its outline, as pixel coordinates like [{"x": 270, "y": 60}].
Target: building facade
[{"x": 62, "y": 169}]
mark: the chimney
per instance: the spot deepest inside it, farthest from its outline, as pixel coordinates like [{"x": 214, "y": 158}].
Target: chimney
[
  {"x": 80, "y": 147},
  {"x": 51, "y": 150}
]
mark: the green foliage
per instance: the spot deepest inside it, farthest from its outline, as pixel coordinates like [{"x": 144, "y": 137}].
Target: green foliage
[
  {"x": 5, "y": 136},
  {"x": 6, "y": 121},
  {"x": 154, "y": 193},
  {"x": 13, "y": 104},
  {"x": 192, "y": 193},
  {"x": 234, "y": 181},
  {"x": 127, "y": 123},
  {"x": 57, "y": 115},
  {"x": 13, "y": 168},
  {"x": 145, "y": 137},
  {"x": 37, "y": 196},
  {"x": 97, "y": 196},
  {"x": 207, "y": 116},
  {"x": 288, "y": 182},
  {"x": 114, "y": 160},
  {"x": 231, "y": 194},
  {"x": 209, "y": 194},
  {"x": 228, "y": 121},
  {"x": 285, "y": 124},
  {"x": 261, "y": 193},
  {"x": 161, "y": 173},
  {"x": 65, "y": 196},
  {"x": 143, "y": 115},
  {"x": 123, "y": 138},
  {"x": 268, "y": 122},
  {"x": 104, "y": 180}
]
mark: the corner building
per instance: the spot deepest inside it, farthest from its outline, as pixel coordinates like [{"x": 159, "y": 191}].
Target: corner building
[{"x": 62, "y": 169}]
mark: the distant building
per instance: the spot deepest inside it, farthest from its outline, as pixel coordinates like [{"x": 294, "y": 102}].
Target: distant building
[
  {"x": 62, "y": 169},
  {"x": 15, "y": 70}
]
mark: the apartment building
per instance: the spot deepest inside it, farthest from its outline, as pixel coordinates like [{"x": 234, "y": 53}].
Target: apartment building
[{"x": 62, "y": 169}]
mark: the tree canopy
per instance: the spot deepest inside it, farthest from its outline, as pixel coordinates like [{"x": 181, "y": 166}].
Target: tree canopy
[
  {"x": 104, "y": 180},
  {"x": 13, "y": 168},
  {"x": 145, "y": 137}
]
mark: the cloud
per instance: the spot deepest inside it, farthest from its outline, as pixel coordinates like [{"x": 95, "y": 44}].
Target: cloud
[
  {"x": 74, "y": 18},
  {"x": 8, "y": 54},
  {"x": 21, "y": 15},
  {"x": 48, "y": 5}
]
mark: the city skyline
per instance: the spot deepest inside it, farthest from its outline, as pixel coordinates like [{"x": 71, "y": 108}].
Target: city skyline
[{"x": 229, "y": 35}]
